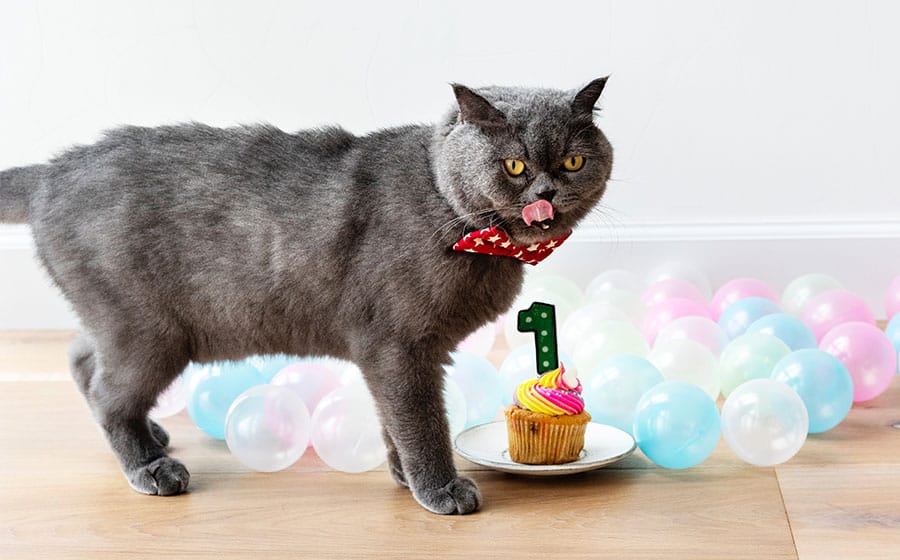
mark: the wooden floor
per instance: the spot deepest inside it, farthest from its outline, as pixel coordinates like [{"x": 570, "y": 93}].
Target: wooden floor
[{"x": 62, "y": 496}]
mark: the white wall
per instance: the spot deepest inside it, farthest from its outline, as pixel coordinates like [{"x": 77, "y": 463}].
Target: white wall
[{"x": 726, "y": 117}]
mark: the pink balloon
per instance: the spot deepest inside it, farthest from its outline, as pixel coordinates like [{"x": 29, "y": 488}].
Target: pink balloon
[
  {"x": 736, "y": 289},
  {"x": 829, "y": 309},
  {"x": 892, "y": 298},
  {"x": 664, "y": 313},
  {"x": 670, "y": 288},
  {"x": 867, "y": 353}
]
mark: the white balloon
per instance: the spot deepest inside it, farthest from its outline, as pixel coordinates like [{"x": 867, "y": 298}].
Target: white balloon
[
  {"x": 682, "y": 271},
  {"x": 267, "y": 428},
  {"x": 608, "y": 339},
  {"x": 346, "y": 430},
  {"x": 803, "y": 288},
  {"x": 583, "y": 321},
  {"x": 617, "y": 279},
  {"x": 687, "y": 360},
  {"x": 171, "y": 401},
  {"x": 699, "y": 329},
  {"x": 628, "y": 302},
  {"x": 764, "y": 422}
]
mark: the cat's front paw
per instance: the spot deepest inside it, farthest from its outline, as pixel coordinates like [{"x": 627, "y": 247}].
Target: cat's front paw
[
  {"x": 459, "y": 496},
  {"x": 164, "y": 477}
]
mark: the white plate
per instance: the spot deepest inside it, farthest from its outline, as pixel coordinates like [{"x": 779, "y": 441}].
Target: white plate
[{"x": 488, "y": 445}]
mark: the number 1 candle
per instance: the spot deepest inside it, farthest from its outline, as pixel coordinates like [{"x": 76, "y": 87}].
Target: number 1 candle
[{"x": 540, "y": 319}]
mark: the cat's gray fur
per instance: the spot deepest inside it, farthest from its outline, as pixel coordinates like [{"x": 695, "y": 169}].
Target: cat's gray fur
[{"x": 188, "y": 242}]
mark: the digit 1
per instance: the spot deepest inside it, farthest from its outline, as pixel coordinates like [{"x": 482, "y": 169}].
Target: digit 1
[{"x": 540, "y": 319}]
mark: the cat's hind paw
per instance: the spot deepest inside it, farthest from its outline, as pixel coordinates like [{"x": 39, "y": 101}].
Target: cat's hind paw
[
  {"x": 459, "y": 496},
  {"x": 163, "y": 477}
]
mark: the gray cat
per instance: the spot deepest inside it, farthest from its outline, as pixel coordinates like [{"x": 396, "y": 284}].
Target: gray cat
[{"x": 188, "y": 242}]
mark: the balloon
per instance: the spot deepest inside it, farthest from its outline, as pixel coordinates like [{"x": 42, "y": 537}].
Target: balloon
[
  {"x": 801, "y": 289},
  {"x": 214, "y": 389},
  {"x": 480, "y": 341},
  {"x": 269, "y": 365},
  {"x": 749, "y": 356},
  {"x": 764, "y": 422},
  {"x": 687, "y": 360},
  {"x": 699, "y": 329},
  {"x": 614, "y": 388},
  {"x": 791, "y": 330},
  {"x": 455, "y": 403},
  {"x": 669, "y": 288},
  {"x": 868, "y": 354},
  {"x": 676, "y": 424},
  {"x": 736, "y": 289},
  {"x": 829, "y": 309},
  {"x": 822, "y": 382},
  {"x": 893, "y": 333},
  {"x": 583, "y": 321},
  {"x": 608, "y": 339},
  {"x": 267, "y": 428},
  {"x": 740, "y": 314},
  {"x": 171, "y": 401},
  {"x": 561, "y": 297},
  {"x": 682, "y": 271},
  {"x": 561, "y": 287},
  {"x": 346, "y": 430},
  {"x": 662, "y": 314},
  {"x": 520, "y": 365},
  {"x": 627, "y": 302},
  {"x": 480, "y": 383},
  {"x": 309, "y": 380},
  {"x": 892, "y": 298},
  {"x": 614, "y": 280}
]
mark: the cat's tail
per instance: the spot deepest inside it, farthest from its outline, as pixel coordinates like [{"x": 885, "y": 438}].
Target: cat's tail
[{"x": 16, "y": 188}]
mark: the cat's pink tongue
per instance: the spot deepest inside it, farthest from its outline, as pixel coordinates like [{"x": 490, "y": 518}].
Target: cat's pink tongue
[{"x": 537, "y": 212}]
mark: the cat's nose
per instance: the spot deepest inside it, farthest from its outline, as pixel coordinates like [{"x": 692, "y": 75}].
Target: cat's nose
[{"x": 546, "y": 192}]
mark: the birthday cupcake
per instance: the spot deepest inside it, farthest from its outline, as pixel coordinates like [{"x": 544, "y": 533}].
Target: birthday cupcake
[{"x": 547, "y": 422}]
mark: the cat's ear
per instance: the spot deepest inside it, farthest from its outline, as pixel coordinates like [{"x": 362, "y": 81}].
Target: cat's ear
[
  {"x": 476, "y": 109},
  {"x": 586, "y": 99}
]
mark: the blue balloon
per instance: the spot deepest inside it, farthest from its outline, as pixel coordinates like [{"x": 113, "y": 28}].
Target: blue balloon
[
  {"x": 676, "y": 424},
  {"x": 738, "y": 316},
  {"x": 893, "y": 333},
  {"x": 822, "y": 381},
  {"x": 791, "y": 330},
  {"x": 612, "y": 390},
  {"x": 480, "y": 383},
  {"x": 214, "y": 388}
]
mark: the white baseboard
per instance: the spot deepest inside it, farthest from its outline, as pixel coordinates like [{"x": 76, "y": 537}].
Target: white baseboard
[{"x": 864, "y": 255}]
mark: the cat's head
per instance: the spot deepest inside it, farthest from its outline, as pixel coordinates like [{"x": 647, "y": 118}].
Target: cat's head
[{"x": 504, "y": 150}]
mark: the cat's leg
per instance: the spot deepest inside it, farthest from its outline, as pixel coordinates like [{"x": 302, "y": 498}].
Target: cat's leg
[
  {"x": 121, "y": 388},
  {"x": 415, "y": 422},
  {"x": 393, "y": 459}
]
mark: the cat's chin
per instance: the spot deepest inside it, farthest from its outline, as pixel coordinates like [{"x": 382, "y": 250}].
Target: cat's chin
[{"x": 520, "y": 234}]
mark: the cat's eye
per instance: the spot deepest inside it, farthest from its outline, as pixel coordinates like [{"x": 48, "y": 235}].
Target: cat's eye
[
  {"x": 573, "y": 163},
  {"x": 514, "y": 167}
]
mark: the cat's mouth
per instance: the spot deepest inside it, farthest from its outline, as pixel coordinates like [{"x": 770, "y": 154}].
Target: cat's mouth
[{"x": 539, "y": 221}]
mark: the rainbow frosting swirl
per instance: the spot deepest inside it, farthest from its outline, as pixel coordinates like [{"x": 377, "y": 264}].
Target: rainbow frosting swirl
[{"x": 555, "y": 393}]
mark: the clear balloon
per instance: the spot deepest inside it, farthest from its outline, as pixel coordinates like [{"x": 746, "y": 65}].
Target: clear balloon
[
  {"x": 669, "y": 288},
  {"x": 346, "y": 430},
  {"x": 267, "y": 428},
  {"x": 625, "y": 301},
  {"x": 171, "y": 401},
  {"x": 736, "y": 289},
  {"x": 868, "y": 355},
  {"x": 480, "y": 341},
  {"x": 614, "y": 388},
  {"x": 802, "y": 289},
  {"x": 829, "y": 309},
  {"x": 309, "y": 380},
  {"x": 738, "y": 316},
  {"x": 455, "y": 403},
  {"x": 764, "y": 422},
  {"x": 892, "y": 298},
  {"x": 559, "y": 286},
  {"x": 520, "y": 365},
  {"x": 608, "y": 339},
  {"x": 480, "y": 383},
  {"x": 676, "y": 424},
  {"x": 614, "y": 280},
  {"x": 790, "y": 329},
  {"x": 584, "y": 320},
  {"x": 749, "y": 356},
  {"x": 690, "y": 361},
  {"x": 823, "y": 383},
  {"x": 893, "y": 333},
  {"x": 682, "y": 271},
  {"x": 699, "y": 329},
  {"x": 662, "y": 314},
  {"x": 214, "y": 389}
]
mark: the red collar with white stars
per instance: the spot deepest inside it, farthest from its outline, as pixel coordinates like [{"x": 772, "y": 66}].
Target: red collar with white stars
[{"x": 495, "y": 241}]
